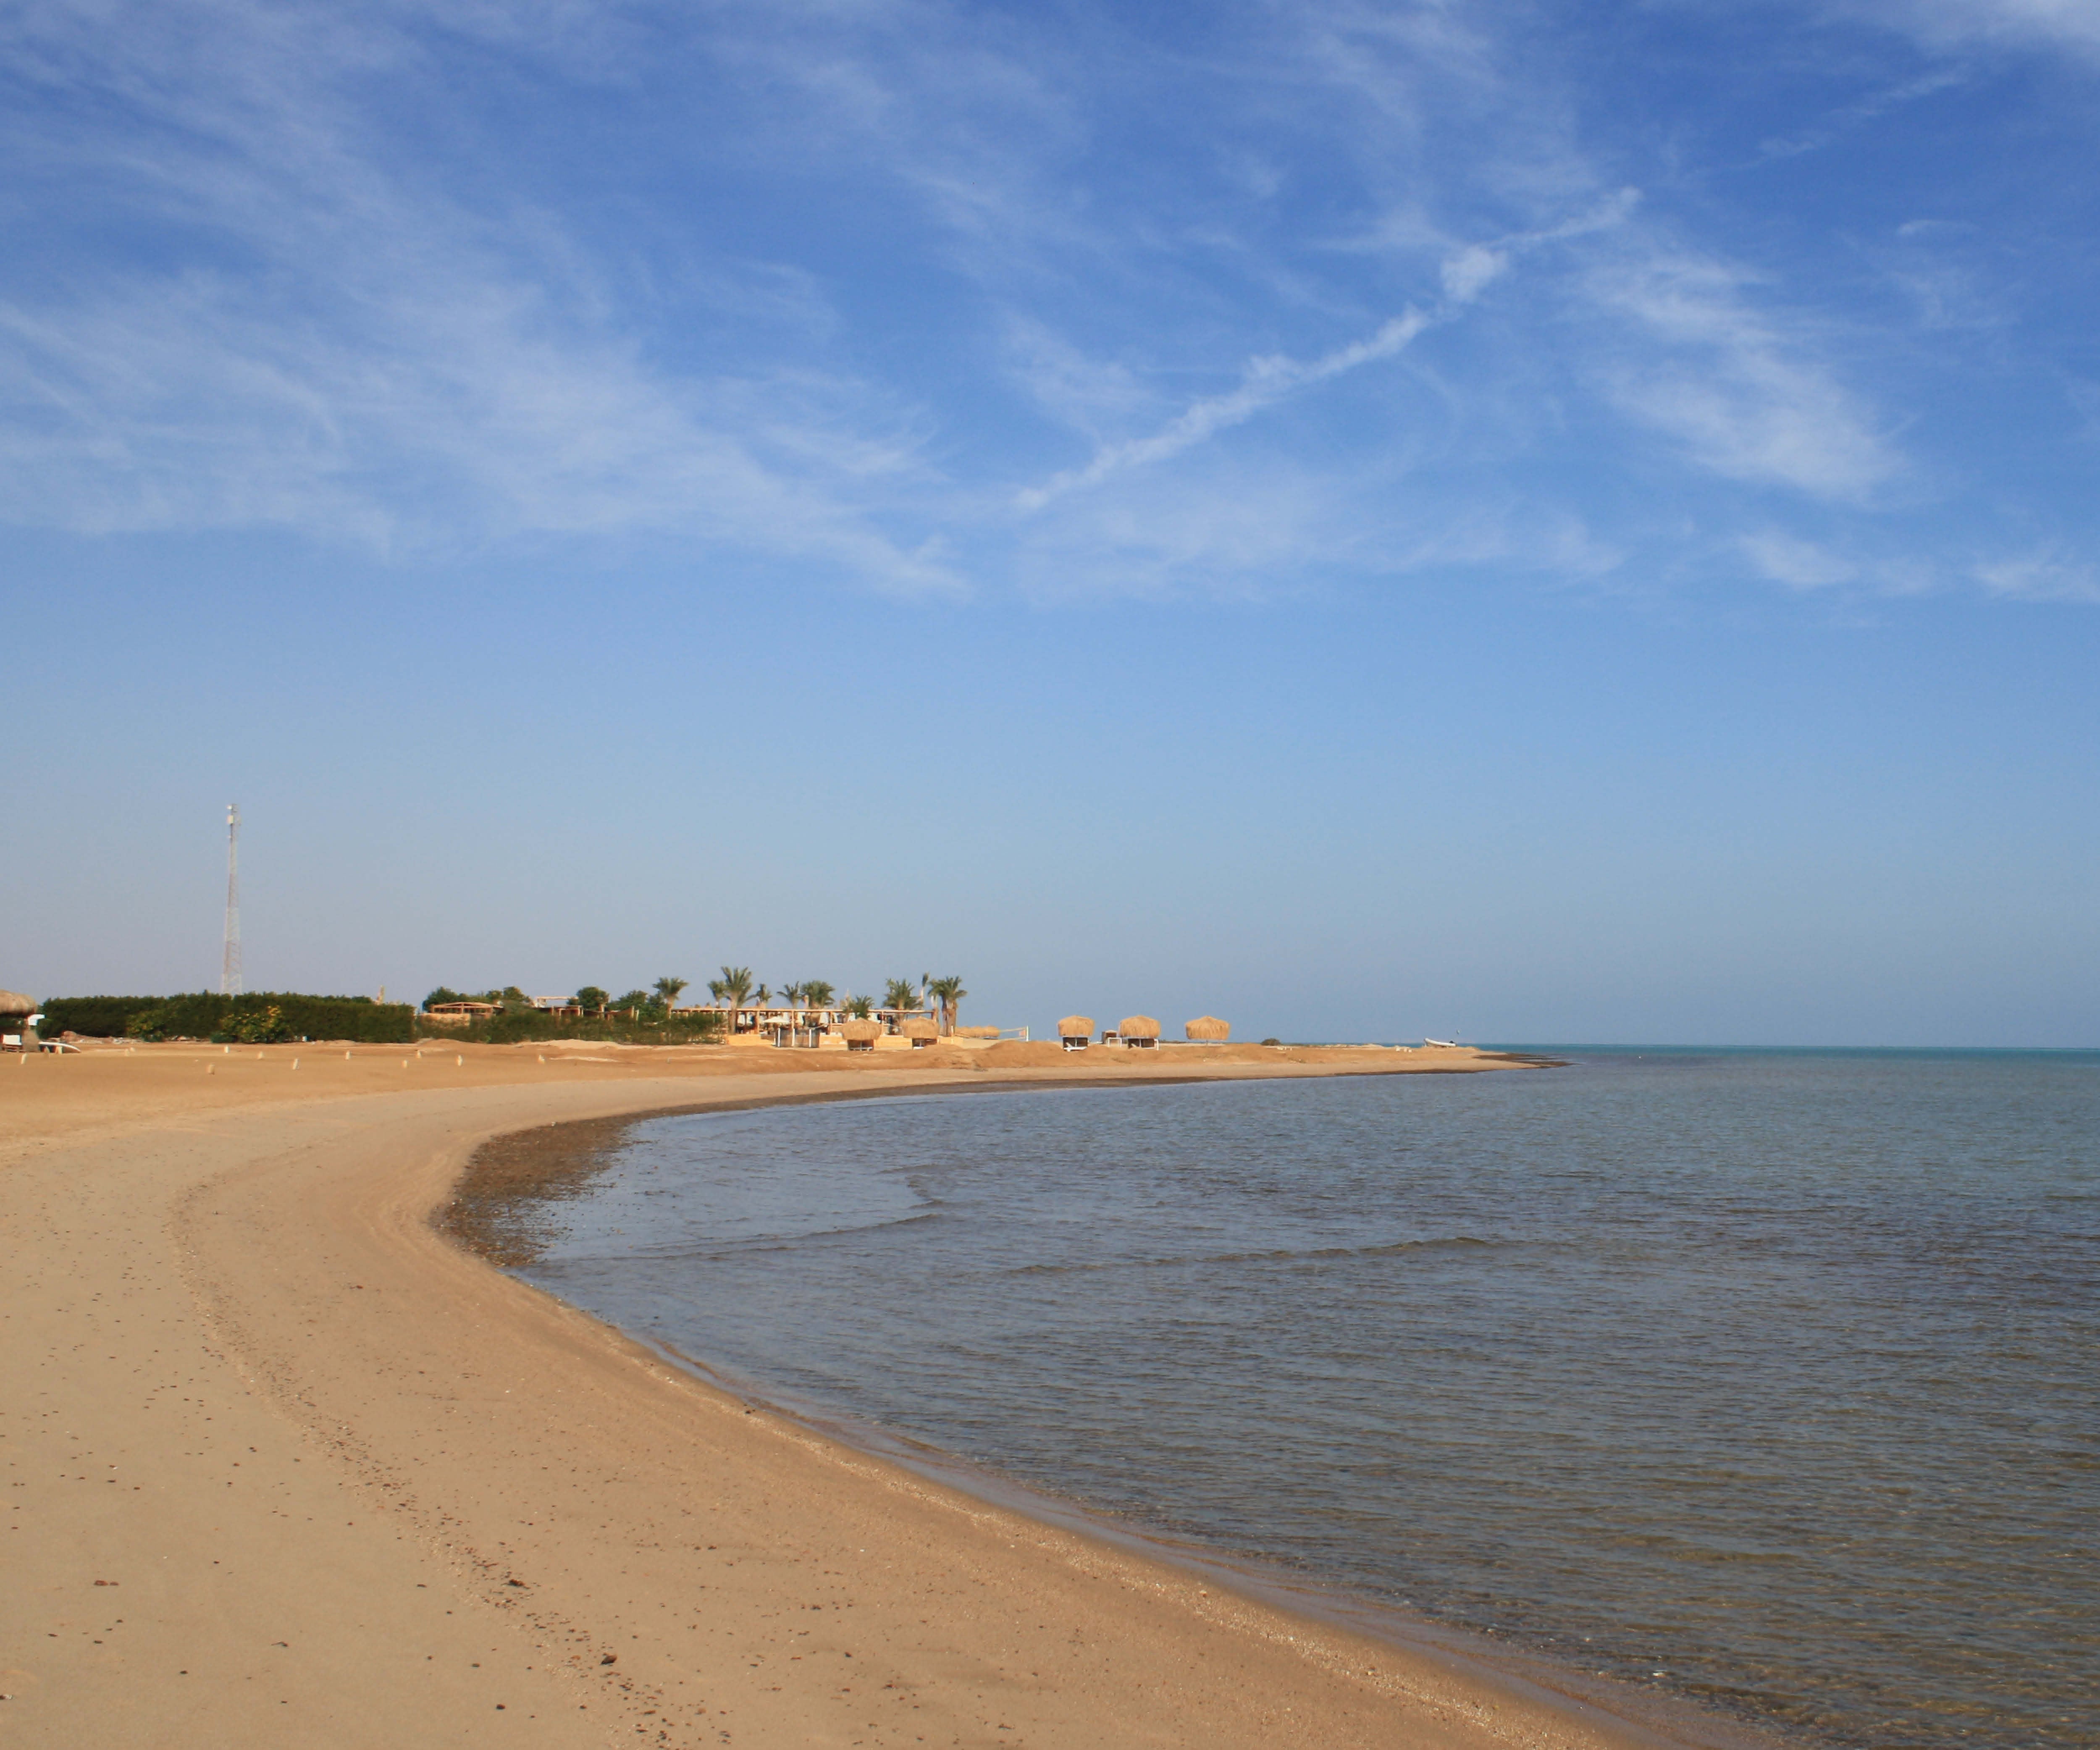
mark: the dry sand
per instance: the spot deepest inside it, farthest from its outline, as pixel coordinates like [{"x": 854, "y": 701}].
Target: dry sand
[{"x": 284, "y": 1466}]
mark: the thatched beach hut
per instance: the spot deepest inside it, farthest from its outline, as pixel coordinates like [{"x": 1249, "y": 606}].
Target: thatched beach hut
[
  {"x": 922, "y": 1030},
  {"x": 1075, "y": 1032},
  {"x": 15, "y": 1010},
  {"x": 860, "y": 1035},
  {"x": 1140, "y": 1032},
  {"x": 1207, "y": 1030}
]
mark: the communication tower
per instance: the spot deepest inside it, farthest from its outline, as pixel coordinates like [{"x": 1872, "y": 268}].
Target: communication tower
[{"x": 229, "y": 969}]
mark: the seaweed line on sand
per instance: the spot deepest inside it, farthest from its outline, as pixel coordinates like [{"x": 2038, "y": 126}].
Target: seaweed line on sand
[{"x": 503, "y": 1207}]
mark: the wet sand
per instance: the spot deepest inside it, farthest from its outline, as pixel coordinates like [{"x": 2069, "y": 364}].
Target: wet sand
[{"x": 288, "y": 1465}]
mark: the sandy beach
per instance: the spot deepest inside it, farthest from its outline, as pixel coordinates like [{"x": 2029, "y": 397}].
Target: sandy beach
[{"x": 287, "y": 1465}]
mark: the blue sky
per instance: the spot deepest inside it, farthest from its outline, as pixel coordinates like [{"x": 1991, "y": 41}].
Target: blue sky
[{"x": 1533, "y": 521}]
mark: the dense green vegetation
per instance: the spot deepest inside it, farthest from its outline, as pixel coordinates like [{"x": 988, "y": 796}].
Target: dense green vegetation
[
  {"x": 640, "y": 1017},
  {"x": 645, "y": 1026},
  {"x": 258, "y": 1019}
]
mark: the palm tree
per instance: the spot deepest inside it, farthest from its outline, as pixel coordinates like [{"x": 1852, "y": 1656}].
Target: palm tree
[
  {"x": 861, "y": 1008},
  {"x": 950, "y": 993},
  {"x": 817, "y": 992},
  {"x": 734, "y": 988},
  {"x": 667, "y": 991},
  {"x": 900, "y": 994}
]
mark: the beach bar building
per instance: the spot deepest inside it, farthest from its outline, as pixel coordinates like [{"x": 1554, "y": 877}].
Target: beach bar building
[
  {"x": 463, "y": 1013},
  {"x": 1075, "y": 1032},
  {"x": 1207, "y": 1030},
  {"x": 802, "y": 1028},
  {"x": 1140, "y": 1033}
]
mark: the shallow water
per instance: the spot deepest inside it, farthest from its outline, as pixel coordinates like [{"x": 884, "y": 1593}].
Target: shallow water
[{"x": 1771, "y": 1378}]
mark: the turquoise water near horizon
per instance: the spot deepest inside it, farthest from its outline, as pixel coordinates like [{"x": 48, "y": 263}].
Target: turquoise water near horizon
[{"x": 1769, "y": 1378}]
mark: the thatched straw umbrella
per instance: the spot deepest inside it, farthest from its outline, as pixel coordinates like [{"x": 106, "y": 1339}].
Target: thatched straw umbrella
[
  {"x": 975, "y": 1033},
  {"x": 1208, "y": 1029},
  {"x": 16, "y": 1008},
  {"x": 922, "y": 1030},
  {"x": 1140, "y": 1031},
  {"x": 860, "y": 1035},
  {"x": 1075, "y": 1032}
]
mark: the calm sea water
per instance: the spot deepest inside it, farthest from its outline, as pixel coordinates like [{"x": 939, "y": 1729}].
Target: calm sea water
[{"x": 1772, "y": 1378}]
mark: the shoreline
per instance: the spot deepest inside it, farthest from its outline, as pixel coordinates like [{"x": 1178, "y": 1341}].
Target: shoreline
[
  {"x": 381, "y": 1492},
  {"x": 517, "y": 1169},
  {"x": 1625, "y": 1714}
]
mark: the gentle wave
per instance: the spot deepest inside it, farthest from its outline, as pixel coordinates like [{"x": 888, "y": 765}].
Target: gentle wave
[
  {"x": 684, "y": 1252},
  {"x": 1282, "y": 1255}
]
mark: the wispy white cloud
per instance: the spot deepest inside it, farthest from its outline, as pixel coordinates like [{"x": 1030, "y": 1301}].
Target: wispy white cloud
[
  {"x": 1743, "y": 397},
  {"x": 1267, "y": 523},
  {"x": 1804, "y": 565},
  {"x": 1090, "y": 395},
  {"x": 2084, "y": 396},
  {"x": 2041, "y": 577},
  {"x": 1469, "y": 271},
  {"x": 1828, "y": 129},
  {"x": 1231, "y": 530},
  {"x": 327, "y": 279},
  {"x": 1797, "y": 563},
  {"x": 344, "y": 348},
  {"x": 1264, "y": 382},
  {"x": 2073, "y": 24}
]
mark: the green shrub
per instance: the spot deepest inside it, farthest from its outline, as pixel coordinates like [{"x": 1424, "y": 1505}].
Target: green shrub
[
  {"x": 99, "y": 1017},
  {"x": 144, "y": 1024},
  {"x": 263, "y": 1016},
  {"x": 264, "y": 1026}
]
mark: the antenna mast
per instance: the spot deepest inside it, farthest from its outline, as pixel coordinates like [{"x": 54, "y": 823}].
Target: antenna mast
[{"x": 229, "y": 970}]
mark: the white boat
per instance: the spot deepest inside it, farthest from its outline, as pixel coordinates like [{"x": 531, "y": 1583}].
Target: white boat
[{"x": 1448, "y": 1044}]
